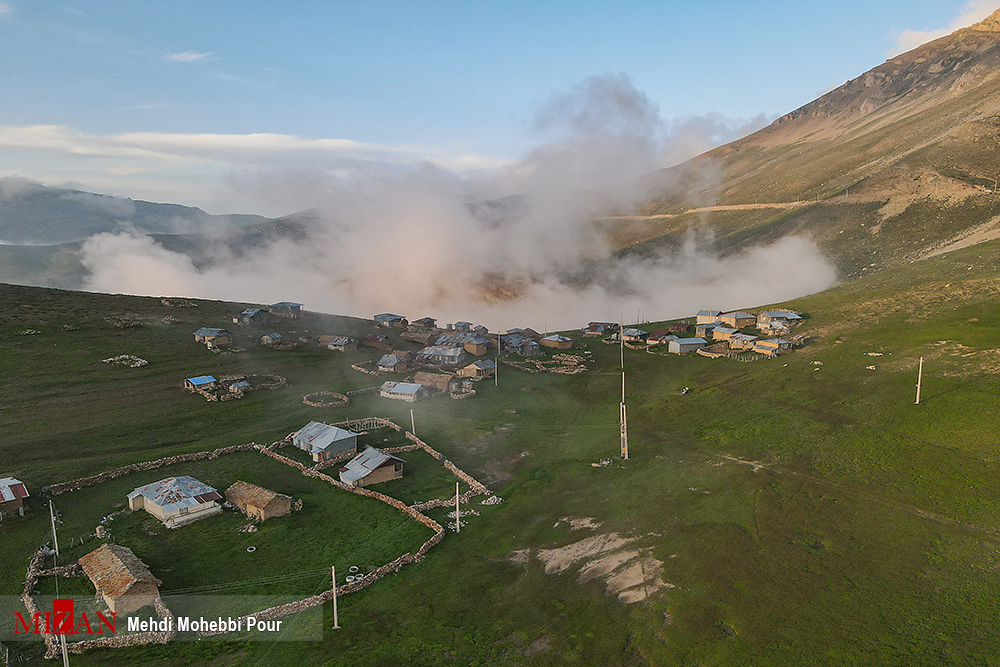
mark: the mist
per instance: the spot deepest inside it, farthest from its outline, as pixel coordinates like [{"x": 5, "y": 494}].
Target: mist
[{"x": 519, "y": 246}]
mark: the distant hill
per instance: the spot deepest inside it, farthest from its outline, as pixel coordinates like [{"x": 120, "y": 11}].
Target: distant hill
[
  {"x": 887, "y": 168},
  {"x": 32, "y": 214}
]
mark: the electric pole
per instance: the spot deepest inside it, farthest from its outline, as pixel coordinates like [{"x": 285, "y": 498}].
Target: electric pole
[
  {"x": 333, "y": 573},
  {"x": 458, "y": 512},
  {"x": 920, "y": 377},
  {"x": 622, "y": 417},
  {"x": 413, "y": 424}
]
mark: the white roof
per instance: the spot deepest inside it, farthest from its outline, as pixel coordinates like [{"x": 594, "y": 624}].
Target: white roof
[
  {"x": 174, "y": 493},
  {"x": 404, "y": 388},
  {"x": 364, "y": 464},
  {"x": 319, "y": 436}
]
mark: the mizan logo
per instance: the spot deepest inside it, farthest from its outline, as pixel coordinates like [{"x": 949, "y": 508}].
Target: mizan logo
[{"x": 62, "y": 621}]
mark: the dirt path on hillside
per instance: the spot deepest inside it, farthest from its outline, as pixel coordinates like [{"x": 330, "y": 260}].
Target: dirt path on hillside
[{"x": 988, "y": 231}]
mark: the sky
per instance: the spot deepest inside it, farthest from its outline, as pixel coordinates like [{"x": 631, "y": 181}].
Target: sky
[{"x": 188, "y": 102}]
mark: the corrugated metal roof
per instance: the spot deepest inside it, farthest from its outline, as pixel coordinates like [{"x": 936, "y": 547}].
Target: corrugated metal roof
[
  {"x": 739, "y": 314},
  {"x": 338, "y": 341},
  {"x": 174, "y": 493},
  {"x": 285, "y": 304},
  {"x": 709, "y": 313},
  {"x": 209, "y": 331},
  {"x": 320, "y": 436},
  {"x": 250, "y": 312},
  {"x": 460, "y": 339},
  {"x": 401, "y": 388},
  {"x": 273, "y": 336},
  {"x": 484, "y": 364},
  {"x": 556, "y": 338},
  {"x": 114, "y": 569},
  {"x": 365, "y": 463},
  {"x": 389, "y": 360},
  {"x": 240, "y": 385},
  {"x": 388, "y": 317},
  {"x": 12, "y": 489},
  {"x": 691, "y": 341},
  {"x": 725, "y": 330},
  {"x": 441, "y": 350},
  {"x": 201, "y": 379}
]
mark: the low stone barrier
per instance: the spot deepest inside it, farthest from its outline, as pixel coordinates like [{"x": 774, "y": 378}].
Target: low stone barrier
[
  {"x": 366, "y": 390},
  {"x": 338, "y": 400},
  {"x": 362, "y": 369}
]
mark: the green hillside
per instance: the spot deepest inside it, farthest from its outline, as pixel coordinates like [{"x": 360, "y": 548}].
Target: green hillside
[{"x": 798, "y": 513}]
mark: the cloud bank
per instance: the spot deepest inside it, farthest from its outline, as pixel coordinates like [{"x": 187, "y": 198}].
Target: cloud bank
[
  {"x": 521, "y": 245},
  {"x": 188, "y": 56}
]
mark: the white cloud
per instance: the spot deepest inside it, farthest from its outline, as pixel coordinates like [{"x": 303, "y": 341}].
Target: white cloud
[
  {"x": 972, "y": 12},
  {"x": 5, "y": 9},
  {"x": 188, "y": 56}
]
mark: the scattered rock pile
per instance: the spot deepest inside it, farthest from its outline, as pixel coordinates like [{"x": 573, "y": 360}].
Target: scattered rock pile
[{"x": 129, "y": 360}]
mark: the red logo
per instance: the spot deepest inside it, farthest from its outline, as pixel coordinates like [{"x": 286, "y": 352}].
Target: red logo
[{"x": 62, "y": 621}]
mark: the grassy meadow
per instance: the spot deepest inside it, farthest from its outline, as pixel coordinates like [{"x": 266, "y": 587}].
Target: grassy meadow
[{"x": 804, "y": 513}]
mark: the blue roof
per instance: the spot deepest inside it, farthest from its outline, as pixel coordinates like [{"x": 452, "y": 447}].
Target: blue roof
[
  {"x": 557, "y": 338},
  {"x": 275, "y": 336},
  {"x": 286, "y": 304},
  {"x": 240, "y": 384},
  {"x": 388, "y": 316},
  {"x": 691, "y": 341},
  {"x": 201, "y": 379}
]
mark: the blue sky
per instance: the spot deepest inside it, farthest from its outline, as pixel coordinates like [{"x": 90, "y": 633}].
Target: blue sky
[{"x": 156, "y": 100}]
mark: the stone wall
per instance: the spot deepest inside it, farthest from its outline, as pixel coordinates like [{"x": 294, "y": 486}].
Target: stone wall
[{"x": 335, "y": 400}]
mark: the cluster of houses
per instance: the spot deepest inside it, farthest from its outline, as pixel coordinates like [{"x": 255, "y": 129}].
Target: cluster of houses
[
  {"x": 215, "y": 338},
  {"x": 712, "y": 327},
  {"x": 208, "y": 386}
]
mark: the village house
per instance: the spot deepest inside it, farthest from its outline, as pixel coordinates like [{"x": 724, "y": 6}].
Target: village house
[
  {"x": 557, "y": 341},
  {"x": 213, "y": 337},
  {"x": 660, "y": 337},
  {"x": 526, "y": 333},
  {"x": 772, "y": 346},
  {"x": 462, "y": 327},
  {"x": 200, "y": 383},
  {"x": 443, "y": 382},
  {"x": 594, "y": 329},
  {"x": 480, "y": 330},
  {"x": 288, "y": 309},
  {"x": 421, "y": 336},
  {"x": 372, "y": 466},
  {"x": 518, "y": 344},
  {"x": 738, "y": 319},
  {"x": 707, "y": 316},
  {"x": 677, "y": 327},
  {"x": 323, "y": 441},
  {"x": 342, "y": 344},
  {"x": 723, "y": 333},
  {"x": 705, "y": 330},
  {"x": 257, "y": 502},
  {"x": 176, "y": 501},
  {"x": 442, "y": 356},
  {"x": 391, "y": 363},
  {"x": 121, "y": 579},
  {"x": 741, "y": 341},
  {"x": 403, "y": 391},
  {"x": 787, "y": 318},
  {"x": 377, "y": 341},
  {"x": 425, "y": 323},
  {"x": 250, "y": 316},
  {"x": 470, "y": 342},
  {"x": 390, "y": 320},
  {"x": 634, "y": 335},
  {"x": 269, "y": 339},
  {"x": 12, "y": 495},
  {"x": 685, "y": 345},
  {"x": 775, "y": 328},
  {"x": 479, "y": 368}
]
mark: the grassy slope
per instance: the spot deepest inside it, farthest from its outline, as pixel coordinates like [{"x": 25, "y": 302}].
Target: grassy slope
[{"x": 869, "y": 538}]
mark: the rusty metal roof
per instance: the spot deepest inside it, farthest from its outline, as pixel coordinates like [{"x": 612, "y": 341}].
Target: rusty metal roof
[
  {"x": 12, "y": 489},
  {"x": 114, "y": 569}
]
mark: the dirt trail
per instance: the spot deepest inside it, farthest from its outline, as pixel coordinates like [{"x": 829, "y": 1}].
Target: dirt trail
[{"x": 988, "y": 231}]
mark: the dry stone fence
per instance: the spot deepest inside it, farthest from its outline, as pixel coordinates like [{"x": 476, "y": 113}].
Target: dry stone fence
[{"x": 36, "y": 569}]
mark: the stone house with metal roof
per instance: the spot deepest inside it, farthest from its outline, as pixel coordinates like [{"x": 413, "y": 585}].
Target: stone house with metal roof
[
  {"x": 257, "y": 502},
  {"x": 391, "y": 363},
  {"x": 213, "y": 337},
  {"x": 176, "y": 501},
  {"x": 707, "y": 316},
  {"x": 323, "y": 441},
  {"x": 288, "y": 309},
  {"x": 372, "y": 466},
  {"x": 251, "y": 316},
  {"x": 121, "y": 579},
  {"x": 479, "y": 368},
  {"x": 738, "y": 319},
  {"x": 557, "y": 341}
]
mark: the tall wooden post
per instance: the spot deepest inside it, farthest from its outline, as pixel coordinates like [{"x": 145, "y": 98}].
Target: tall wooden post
[
  {"x": 622, "y": 419},
  {"x": 64, "y": 651},
  {"x": 333, "y": 574},
  {"x": 920, "y": 377},
  {"x": 496, "y": 371},
  {"x": 52, "y": 518},
  {"x": 458, "y": 512},
  {"x": 413, "y": 424}
]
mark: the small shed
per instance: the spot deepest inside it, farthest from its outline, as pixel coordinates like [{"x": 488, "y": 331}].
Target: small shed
[
  {"x": 557, "y": 341},
  {"x": 324, "y": 441},
  {"x": 257, "y": 502},
  {"x": 176, "y": 501},
  {"x": 288, "y": 309},
  {"x": 685, "y": 345},
  {"x": 213, "y": 337},
  {"x": 372, "y": 466},
  {"x": 462, "y": 327},
  {"x": 738, "y": 319},
  {"x": 121, "y": 579},
  {"x": 200, "y": 383},
  {"x": 660, "y": 337},
  {"x": 402, "y": 391},
  {"x": 479, "y": 368},
  {"x": 391, "y": 363},
  {"x": 342, "y": 344},
  {"x": 267, "y": 340},
  {"x": 377, "y": 341},
  {"x": 12, "y": 495}
]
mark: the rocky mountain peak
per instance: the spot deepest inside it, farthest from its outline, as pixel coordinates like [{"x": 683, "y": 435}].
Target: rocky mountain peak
[{"x": 990, "y": 24}]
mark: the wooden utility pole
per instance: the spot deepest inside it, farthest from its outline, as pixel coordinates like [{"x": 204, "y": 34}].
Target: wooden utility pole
[
  {"x": 52, "y": 518},
  {"x": 458, "y": 512},
  {"x": 333, "y": 573},
  {"x": 622, "y": 417},
  {"x": 413, "y": 424},
  {"x": 920, "y": 377},
  {"x": 64, "y": 651},
  {"x": 496, "y": 371}
]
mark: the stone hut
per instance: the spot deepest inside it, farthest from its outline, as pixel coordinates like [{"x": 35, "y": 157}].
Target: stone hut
[
  {"x": 257, "y": 502},
  {"x": 124, "y": 581}
]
